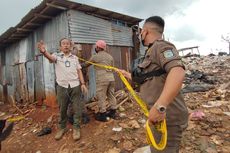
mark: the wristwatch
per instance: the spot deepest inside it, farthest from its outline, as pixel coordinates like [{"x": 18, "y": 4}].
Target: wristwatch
[{"x": 161, "y": 109}]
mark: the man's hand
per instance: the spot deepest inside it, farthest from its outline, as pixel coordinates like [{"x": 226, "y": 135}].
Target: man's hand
[
  {"x": 84, "y": 89},
  {"x": 41, "y": 46},
  {"x": 125, "y": 73},
  {"x": 155, "y": 116}
]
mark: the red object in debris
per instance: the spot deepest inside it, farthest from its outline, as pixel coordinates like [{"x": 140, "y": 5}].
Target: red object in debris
[{"x": 197, "y": 115}]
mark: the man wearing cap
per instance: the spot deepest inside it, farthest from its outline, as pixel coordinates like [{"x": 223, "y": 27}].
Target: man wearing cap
[
  {"x": 160, "y": 75},
  {"x": 105, "y": 82}
]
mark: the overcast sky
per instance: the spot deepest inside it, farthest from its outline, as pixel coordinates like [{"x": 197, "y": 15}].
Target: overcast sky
[{"x": 188, "y": 22}]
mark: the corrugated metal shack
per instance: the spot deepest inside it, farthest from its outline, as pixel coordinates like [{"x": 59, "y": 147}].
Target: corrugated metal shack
[{"x": 28, "y": 77}]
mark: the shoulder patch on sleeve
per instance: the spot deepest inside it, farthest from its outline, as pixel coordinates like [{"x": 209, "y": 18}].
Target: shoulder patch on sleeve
[{"x": 168, "y": 54}]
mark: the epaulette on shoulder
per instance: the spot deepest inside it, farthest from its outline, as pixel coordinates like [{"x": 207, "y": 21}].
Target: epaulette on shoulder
[{"x": 161, "y": 42}]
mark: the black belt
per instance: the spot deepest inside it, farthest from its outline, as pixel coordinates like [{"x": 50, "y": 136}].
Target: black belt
[{"x": 140, "y": 77}]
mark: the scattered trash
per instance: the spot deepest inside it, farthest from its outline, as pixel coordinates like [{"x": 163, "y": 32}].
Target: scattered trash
[
  {"x": 44, "y": 131},
  {"x": 122, "y": 115},
  {"x": 142, "y": 121},
  {"x": 127, "y": 145},
  {"x": 197, "y": 115},
  {"x": 145, "y": 149},
  {"x": 121, "y": 109},
  {"x": 133, "y": 124},
  {"x": 114, "y": 150},
  {"x": 197, "y": 88},
  {"x": 2, "y": 114},
  {"x": 227, "y": 113},
  {"x": 49, "y": 120},
  {"x": 117, "y": 129},
  {"x": 213, "y": 104}
]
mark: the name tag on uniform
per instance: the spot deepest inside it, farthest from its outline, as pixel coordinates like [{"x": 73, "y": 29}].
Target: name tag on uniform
[
  {"x": 168, "y": 54},
  {"x": 67, "y": 63}
]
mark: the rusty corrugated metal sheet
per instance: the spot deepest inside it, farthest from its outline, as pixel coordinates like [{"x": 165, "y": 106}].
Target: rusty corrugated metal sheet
[
  {"x": 23, "y": 85},
  {"x": 116, "y": 53},
  {"x": 84, "y": 28},
  {"x": 122, "y": 36},
  {"x": 52, "y": 32},
  {"x": 89, "y": 73},
  {"x": 88, "y": 29},
  {"x": 121, "y": 57}
]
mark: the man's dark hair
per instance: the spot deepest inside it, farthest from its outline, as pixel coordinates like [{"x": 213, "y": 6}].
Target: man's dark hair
[
  {"x": 158, "y": 21},
  {"x": 63, "y": 39}
]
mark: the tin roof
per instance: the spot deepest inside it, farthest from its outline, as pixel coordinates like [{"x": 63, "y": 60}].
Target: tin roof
[{"x": 48, "y": 9}]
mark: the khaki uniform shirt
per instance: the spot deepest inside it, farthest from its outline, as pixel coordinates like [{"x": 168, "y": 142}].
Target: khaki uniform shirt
[
  {"x": 66, "y": 70},
  {"x": 163, "y": 55},
  {"x": 104, "y": 58}
]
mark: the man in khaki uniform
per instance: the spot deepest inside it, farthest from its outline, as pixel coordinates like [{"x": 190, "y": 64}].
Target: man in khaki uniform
[
  {"x": 105, "y": 82},
  {"x": 160, "y": 75}
]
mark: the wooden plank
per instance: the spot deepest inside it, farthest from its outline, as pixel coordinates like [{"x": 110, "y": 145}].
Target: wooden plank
[
  {"x": 24, "y": 92},
  {"x": 20, "y": 83},
  {"x": 30, "y": 80},
  {"x": 19, "y": 35},
  {"x": 1, "y": 93},
  {"x": 39, "y": 80},
  {"x": 56, "y": 6},
  {"x": 16, "y": 82},
  {"x": 33, "y": 24},
  {"x": 23, "y": 29},
  {"x": 43, "y": 16},
  {"x": 124, "y": 58}
]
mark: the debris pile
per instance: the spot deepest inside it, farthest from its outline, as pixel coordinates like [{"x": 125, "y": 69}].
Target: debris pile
[
  {"x": 121, "y": 96},
  {"x": 208, "y": 100}
]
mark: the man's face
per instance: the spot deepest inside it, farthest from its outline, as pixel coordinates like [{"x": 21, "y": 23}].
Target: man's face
[
  {"x": 65, "y": 46},
  {"x": 149, "y": 34},
  {"x": 97, "y": 49},
  {"x": 146, "y": 35}
]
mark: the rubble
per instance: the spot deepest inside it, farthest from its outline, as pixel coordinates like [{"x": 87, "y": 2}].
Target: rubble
[
  {"x": 114, "y": 150},
  {"x": 121, "y": 96},
  {"x": 145, "y": 149},
  {"x": 128, "y": 145},
  {"x": 207, "y": 129}
]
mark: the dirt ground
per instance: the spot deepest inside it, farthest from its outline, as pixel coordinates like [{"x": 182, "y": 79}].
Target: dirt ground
[
  {"x": 208, "y": 130},
  {"x": 97, "y": 137}
]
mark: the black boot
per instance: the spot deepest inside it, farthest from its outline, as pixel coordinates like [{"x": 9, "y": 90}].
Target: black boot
[
  {"x": 112, "y": 113},
  {"x": 101, "y": 117}
]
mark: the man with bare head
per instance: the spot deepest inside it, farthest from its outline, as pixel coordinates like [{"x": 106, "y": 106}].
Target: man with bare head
[{"x": 160, "y": 75}]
